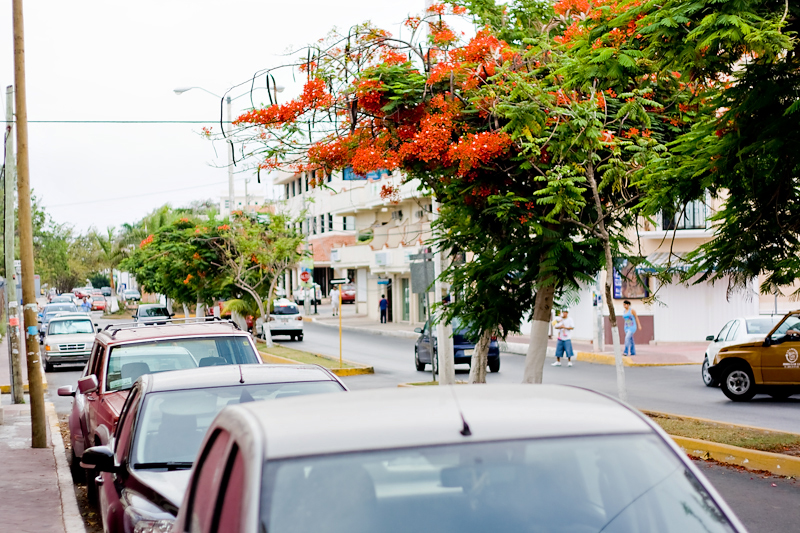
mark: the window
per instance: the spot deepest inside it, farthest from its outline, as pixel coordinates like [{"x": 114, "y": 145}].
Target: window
[
  {"x": 615, "y": 484},
  {"x": 70, "y": 327},
  {"x": 733, "y": 331},
  {"x": 330, "y": 221},
  {"x": 693, "y": 216},
  {"x": 286, "y": 191},
  {"x": 308, "y": 180},
  {"x": 322, "y": 223},
  {"x": 293, "y": 189},
  {"x": 125, "y": 426},
  {"x": 723, "y": 333}
]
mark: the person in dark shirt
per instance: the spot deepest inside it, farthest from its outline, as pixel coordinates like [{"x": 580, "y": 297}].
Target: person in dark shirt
[{"x": 384, "y": 305}]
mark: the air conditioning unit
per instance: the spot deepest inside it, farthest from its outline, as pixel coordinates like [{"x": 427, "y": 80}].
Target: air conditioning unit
[
  {"x": 382, "y": 258},
  {"x": 397, "y": 215}
]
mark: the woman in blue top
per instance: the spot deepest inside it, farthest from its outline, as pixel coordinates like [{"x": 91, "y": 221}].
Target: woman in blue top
[{"x": 631, "y": 325}]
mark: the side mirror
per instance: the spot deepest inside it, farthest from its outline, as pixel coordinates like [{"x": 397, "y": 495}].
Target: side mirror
[
  {"x": 100, "y": 458},
  {"x": 417, "y": 330},
  {"x": 66, "y": 390},
  {"x": 88, "y": 384},
  {"x": 710, "y": 338}
]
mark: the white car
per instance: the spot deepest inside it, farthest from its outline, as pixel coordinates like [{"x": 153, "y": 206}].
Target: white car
[
  {"x": 736, "y": 331},
  {"x": 463, "y": 459},
  {"x": 68, "y": 339},
  {"x": 285, "y": 319}
]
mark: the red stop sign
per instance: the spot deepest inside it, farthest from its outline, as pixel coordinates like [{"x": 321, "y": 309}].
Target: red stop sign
[{"x": 305, "y": 276}]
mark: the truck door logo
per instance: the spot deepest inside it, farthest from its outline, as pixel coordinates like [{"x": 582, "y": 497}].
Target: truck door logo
[{"x": 791, "y": 357}]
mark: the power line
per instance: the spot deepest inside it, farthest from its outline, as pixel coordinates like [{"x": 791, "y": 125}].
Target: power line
[{"x": 123, "y": 122}]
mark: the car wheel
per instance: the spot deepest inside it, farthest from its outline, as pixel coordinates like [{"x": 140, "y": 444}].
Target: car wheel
[
  {"x": 78, "y": 476},
  {"x": 299, "y": 337},
  {"x": 707, "y": 379},
  {"x": 417, "y": 363},
  {"x": 48, "y": 366},
  {"x": 738, "y": 383},
  {"x": 494, "y": 366}
]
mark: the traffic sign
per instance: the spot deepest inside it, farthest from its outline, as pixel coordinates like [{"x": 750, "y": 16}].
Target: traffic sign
[{"x": 305, "y": 277}]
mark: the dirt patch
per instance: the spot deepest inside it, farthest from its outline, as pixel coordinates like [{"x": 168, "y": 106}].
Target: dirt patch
[
  {"x": 301, "y": 356},
  {"x": 733, "y": 435},
  {"x": 91, "y": 518}
]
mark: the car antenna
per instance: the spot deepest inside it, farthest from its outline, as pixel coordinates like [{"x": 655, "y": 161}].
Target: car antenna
[
  {"x": 241, "y": 376},
  {"x": 465, "y": 427}
]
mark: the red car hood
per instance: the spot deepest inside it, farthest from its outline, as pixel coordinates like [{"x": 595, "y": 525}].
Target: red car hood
[{"x": 115, "y": 401}]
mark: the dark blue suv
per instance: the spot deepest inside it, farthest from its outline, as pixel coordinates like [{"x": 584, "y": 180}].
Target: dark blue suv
[{"x": 462, "y": 348}]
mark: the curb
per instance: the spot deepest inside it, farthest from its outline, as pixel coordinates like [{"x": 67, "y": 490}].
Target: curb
[
  {"x": 6, "y": 389},
  {"x": 73, "y": 522},
  {"x": 357, "y": 371},
  {"x": 709, "y": 421},
  {"x": 606, "y": 359},
  {"x": 774, "y": 463}
]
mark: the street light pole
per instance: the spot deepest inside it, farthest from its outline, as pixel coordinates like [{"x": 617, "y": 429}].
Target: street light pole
[
  {"x": 30, "y": 307},
  {"x": 231, "y": 196}
]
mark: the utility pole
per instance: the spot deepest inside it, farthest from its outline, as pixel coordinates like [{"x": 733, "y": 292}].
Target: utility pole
[
  {"x": 30, "y": 308},
  {"x": 444, "y": 332},
  {"x": 12, "y": 303},
  {"x": 231, "y": 195}
]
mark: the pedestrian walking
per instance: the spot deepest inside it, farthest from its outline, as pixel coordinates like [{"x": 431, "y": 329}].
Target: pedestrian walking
[
  {"x": 631, "y": 321},
  {"x": 335, "y": 301},
  {"x": 86, "y": 306},
  {"x": 384, "y": 306},
  {"x": 564, "y": 325}
]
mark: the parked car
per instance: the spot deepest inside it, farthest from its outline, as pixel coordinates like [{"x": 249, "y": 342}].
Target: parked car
[
  {"x": 504, "y": 459},
  {"x": 81, "y": 292},
  {"x": 105, "y": 291},
  {"x": 152, "y": 314},
  {"x": 285, "y": 319},
  {"x": 98, "y": 303},
  {"x": 463, "y": 348},
  {"x": 769, "y": 365},
  {"x": 49, "y": 311},
  {"x": 124, "y": 352},
  {"x": 66, "y": 298},
  {"x": 68, "y": 339},
  {"x": 348, "y": 293},
  {"x": 733, "y": 332},
  {"x": 162, "y": 426},
  {"x": 314, "y": 294},
  {"x": 131, "y": 294}
]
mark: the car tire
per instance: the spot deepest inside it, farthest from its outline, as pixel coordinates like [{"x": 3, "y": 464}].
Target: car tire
[
  {"x": 48, "y": 366},
  {"x": 299, "y": 337},
  {"x": 707, "y": 379},
  {"x": 417, "y": 363},
  {"x": 494, "y": 366},
  {"x": 738, "y": 383},
  {"x": 75, "y": 469}
]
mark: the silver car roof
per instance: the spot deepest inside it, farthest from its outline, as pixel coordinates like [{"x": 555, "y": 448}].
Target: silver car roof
[
  {"x": 231, "y": 375},
  {"x": 426, "y": 416}
]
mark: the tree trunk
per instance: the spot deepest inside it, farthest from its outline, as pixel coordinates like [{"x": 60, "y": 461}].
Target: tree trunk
[
  {"x": 199, "y": 312},
  {"x": 540, "y": 326},
  {"x": 185, "y": 311},
  {"x": 480, "y": 358}
]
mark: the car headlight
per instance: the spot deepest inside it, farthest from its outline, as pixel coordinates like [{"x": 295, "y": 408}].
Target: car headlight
[
  {"x": 153, "y": 526},
  {"x": 49, "y": 348}
]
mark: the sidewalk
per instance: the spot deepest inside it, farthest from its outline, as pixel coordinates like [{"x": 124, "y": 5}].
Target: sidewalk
[{"x": 648, "y": 354}]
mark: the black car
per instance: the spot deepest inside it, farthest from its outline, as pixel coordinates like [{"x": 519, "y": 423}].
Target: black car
[
  {"x": 162, "y": 425},
  {"x": 462, "y": 348}
]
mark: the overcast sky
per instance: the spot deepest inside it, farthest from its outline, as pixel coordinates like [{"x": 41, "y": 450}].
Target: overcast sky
[{"x": 108, "y": 60}]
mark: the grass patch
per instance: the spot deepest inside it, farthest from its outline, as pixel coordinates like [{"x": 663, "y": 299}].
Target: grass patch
[
  {"x": 753, "y": 439},
  {"x": 302, "y": 357}
]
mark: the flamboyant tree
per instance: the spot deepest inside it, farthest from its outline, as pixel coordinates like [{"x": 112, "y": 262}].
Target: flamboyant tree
[{"x": 533, "y": 156}]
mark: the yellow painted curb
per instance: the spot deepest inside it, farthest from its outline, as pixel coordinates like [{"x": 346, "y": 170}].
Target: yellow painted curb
[
  {"x": 6, "y": 389},
  {"x": 356, "y": 371},
  {"x": 308, "y": 319},
  {"x": 606, "y": 359},
  {"x": 775, "y": 463}
]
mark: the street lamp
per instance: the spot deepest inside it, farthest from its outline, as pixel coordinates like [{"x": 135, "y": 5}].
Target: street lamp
[{"x": 180, "y": 90}]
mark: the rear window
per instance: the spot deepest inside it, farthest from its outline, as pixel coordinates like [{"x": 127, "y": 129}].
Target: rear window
[
  {"x": 177, "y": 354},
  {"x": 286, "y": 310},
  {"x": 154, "y": 311},
  {"x": 761, "y": 325}
]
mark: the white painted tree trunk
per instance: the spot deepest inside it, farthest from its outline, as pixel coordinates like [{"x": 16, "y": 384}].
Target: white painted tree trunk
[
  {"x": 537, "y": 352},
  {"x": 185, "y": 311},
  {"x": 480, "y": 358}
]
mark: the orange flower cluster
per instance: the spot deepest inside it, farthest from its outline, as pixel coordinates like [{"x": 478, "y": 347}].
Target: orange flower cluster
[
  {"x": 571, "y": 8},
  {"x": 391, "y": 193},
  {"x": 314, "y": 96},
  {"x": 223, "y": 227},
  {"x": 369, "y": 96},
  {"x": 188, "y": 279},
  {"x": 146, "y": 241},
  {"x": 477, "y": 149}
]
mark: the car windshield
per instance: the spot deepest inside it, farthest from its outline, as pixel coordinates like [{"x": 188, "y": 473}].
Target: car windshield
[
  {"x": 70, "y": 327},
  {"x": 587, "y": 484},
  {"x": 763, "y": 326},
  {"x": 176, "y": 354},
  {"x": 792, "y": 322},
  {"x": 65, "y": 299},
  {"x": 154, "y": 311},
  {"x": 172, "y": 424},
  {"x": 60, "y": 308},
  {"x": 285, "y": 309}
]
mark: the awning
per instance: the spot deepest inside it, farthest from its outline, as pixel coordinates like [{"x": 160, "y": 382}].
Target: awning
[{"x": 663, "y": 260}]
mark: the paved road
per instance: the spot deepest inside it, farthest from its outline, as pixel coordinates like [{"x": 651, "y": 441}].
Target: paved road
[
  {"x": 763, "y": 504},
  {"x": 675, "y": 389}
]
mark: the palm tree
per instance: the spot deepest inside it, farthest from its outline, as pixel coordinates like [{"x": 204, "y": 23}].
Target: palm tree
[{"x": 111, "y": 252}]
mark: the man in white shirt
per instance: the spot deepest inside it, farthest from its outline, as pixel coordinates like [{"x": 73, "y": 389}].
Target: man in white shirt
[
  {"x": 335, "y": 300},
  {"x": 564, "y": 326}
]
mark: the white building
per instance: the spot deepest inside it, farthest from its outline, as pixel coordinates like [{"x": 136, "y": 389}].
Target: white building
[
  {"x": 251, "y": 202},
  {"x": 356, "y": 234}
]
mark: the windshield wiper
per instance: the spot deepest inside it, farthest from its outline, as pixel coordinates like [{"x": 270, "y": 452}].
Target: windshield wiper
[{"x": 169, "y": 465}]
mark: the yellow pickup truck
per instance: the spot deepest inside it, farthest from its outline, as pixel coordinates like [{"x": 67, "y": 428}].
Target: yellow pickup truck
[{"x": 770, "y": 366}]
